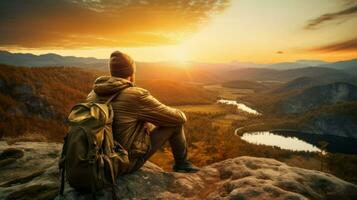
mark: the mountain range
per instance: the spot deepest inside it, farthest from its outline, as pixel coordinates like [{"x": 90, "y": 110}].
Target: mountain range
[
  {"x": 199, "y": 72},
  {"x": 31, "y": 60},
  {"x": 51, "y": 59}
]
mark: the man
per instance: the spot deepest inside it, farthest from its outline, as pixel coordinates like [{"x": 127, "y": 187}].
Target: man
[{"x": 135, "y": 113}]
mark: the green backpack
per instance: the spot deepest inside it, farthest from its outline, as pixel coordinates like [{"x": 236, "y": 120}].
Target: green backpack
[{"x": 91, "y": 160}]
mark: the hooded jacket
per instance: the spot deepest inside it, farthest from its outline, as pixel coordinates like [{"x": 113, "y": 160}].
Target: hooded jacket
[{"x": 134, "y": 110}]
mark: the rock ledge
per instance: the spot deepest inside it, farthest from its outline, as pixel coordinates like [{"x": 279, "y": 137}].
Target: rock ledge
[{"x": 35, "y": 176}]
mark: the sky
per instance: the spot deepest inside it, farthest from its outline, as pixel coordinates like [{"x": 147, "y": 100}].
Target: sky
[{"x": 214, "y": 31}]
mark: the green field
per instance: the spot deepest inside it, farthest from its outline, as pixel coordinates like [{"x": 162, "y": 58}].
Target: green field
[
  {"x": 228, "y": 93},
  {"x": 209, "y": 108}
]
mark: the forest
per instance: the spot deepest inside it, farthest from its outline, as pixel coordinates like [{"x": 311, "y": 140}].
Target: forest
[{"x": 36, "y": 101}]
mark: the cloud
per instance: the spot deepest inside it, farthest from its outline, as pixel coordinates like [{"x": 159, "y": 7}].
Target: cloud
[
  {"x": 101, "y": 23},
  {"x": 279, "y": 52},
  {"x": 343, "y": 14},
  {"x": 349, "y": 2},
  {"x": 347, "y": 45}
]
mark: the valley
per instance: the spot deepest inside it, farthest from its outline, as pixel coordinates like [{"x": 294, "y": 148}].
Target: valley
[
  {"x": 35, "y": 102},
  {"x": 179, "y": 99}
]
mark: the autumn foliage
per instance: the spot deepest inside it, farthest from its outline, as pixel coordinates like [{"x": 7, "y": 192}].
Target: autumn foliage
[{"x": 36, "y": 101}]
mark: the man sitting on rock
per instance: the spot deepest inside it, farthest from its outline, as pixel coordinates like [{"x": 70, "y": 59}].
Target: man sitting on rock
[{"x": 141, "y": 123}]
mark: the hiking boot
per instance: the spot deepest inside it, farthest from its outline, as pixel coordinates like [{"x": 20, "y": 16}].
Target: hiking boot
[{"x": 186, "y": 167}]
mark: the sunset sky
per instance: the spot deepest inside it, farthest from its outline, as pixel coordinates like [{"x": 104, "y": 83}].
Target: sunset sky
[{"x": 261, "y": 31}]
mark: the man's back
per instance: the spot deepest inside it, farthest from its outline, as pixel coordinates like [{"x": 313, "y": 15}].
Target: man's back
[
  {"x": 134, "y": 109},
  {"x": 135, "y": 113}
]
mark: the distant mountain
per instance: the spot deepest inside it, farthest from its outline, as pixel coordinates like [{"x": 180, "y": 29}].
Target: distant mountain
[
  {"x": 238, "y": 64},
  {"x": 286, "y": 65},
  {"x": 263, "y": 74},
  {"x": 298, "y": 84},
  {"x": 296, "y": 64},
  {"x": 311, "y": 63},
  {"x": 31, "y": 60},
  {"x": 349, "y": 66},
  {"x": 199, "y": 72}
]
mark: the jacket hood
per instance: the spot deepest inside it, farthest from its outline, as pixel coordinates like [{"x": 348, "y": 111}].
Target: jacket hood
[{"x": 108, "y": 85}]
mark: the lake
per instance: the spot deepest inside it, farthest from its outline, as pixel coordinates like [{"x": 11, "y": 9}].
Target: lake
[{"x": 296, "y": 141}]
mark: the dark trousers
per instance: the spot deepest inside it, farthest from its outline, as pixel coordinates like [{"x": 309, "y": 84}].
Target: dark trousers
[{"x": 159, "y": 136}]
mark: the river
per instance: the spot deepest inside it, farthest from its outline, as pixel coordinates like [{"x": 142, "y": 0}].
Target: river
[
  {"x": 240, "y": 106},
  {"x": 283, "y": 142},
  {"x": 297, "y": 141},
  {"x": 294, "y": 141}
]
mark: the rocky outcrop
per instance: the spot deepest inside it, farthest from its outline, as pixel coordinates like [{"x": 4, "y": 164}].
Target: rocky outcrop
[
  {"x": 33, "y": 174},
  {"x": 28, "y": 102}
]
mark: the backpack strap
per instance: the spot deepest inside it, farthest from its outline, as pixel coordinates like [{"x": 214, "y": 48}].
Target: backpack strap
[
  {"x": 62, "y": 182},
  {"x": 116, "y": 94},
  {"x": 62, "y": 167},
  {"x": 114, "y": 196}
]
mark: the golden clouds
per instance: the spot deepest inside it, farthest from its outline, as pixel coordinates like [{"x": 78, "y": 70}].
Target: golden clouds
[
  {"x": 101, "y": 23},
  {"x": 344, "y": 14}
]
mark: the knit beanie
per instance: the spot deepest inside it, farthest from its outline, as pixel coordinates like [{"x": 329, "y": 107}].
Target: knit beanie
[{"x": 121, "y": 65}]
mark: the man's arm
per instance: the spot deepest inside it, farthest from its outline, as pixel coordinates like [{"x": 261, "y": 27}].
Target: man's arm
[{"x": 153, "y": 111}]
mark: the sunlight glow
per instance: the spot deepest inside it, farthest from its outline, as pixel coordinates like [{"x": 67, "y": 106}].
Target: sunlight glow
[
  {"x": 247, "y": 30},
  {"x": 179, "y": 54}
]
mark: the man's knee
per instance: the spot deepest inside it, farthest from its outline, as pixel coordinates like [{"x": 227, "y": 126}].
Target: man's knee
[{"x": 167, "y": 129}]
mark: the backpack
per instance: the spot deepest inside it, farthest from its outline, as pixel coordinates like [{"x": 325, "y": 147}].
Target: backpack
[{"x": 91, "y": 160}]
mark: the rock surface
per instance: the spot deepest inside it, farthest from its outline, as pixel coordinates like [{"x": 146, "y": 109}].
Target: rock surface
[{"x": 34, "y": 175}]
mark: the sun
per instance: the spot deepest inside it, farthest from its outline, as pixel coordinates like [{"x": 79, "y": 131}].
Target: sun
[{"x": 179, "y": 54}]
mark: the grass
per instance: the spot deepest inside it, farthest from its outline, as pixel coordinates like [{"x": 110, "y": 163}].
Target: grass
[
  {"x": 228, "y": 93},
  {"x": 245, "y": 84},
  {"x": 225, "y": 115},
  {"x": 209, "y": 108}
]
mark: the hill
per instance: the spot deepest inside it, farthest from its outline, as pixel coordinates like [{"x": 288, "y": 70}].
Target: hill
[
  {"x": 31, "y": 60},
  {"x": 286, "y": 65},
  {"x": 316, "y": 96},
  {"x": 33, "y": 100},
  {"x": 237, "y": 178},
  {"x": 349, "y": 66},
  {"x": 36, "y": 99},
  {"x": 263, "y": 74},
  {"x": 338, "y": 119},
  {"x": 298, "y": 84},
  {"x": 296, "y": 64},
  {"x": 245, "y": 84}
]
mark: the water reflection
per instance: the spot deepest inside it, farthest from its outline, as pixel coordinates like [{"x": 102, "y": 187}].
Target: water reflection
[
  {"x": 271, "y": 139},
  {"x": 240, "y": 106}
]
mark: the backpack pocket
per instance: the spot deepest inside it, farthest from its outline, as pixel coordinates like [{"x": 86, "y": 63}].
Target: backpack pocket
[{"x": 140, "y": 145}]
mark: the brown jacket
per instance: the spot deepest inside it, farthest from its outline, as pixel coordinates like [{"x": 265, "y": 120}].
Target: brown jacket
[{"x": 134, "y": 109}]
